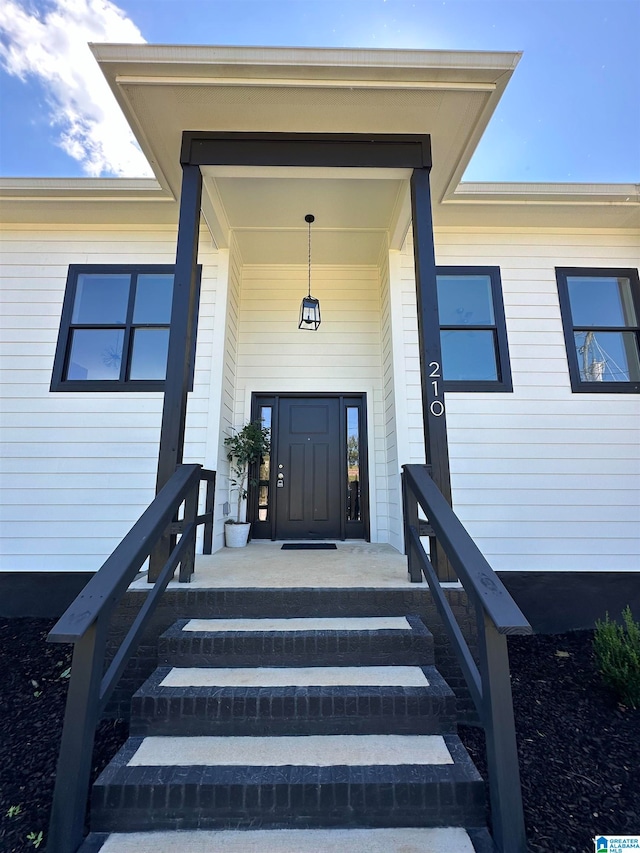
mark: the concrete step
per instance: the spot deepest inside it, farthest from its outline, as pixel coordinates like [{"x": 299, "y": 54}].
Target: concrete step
[
  {"x": 166, "y": 783},
  {"x": 361, "y": 641},
  {"x": 396, "y": 840},
  {"x": 293, "y": 700}
]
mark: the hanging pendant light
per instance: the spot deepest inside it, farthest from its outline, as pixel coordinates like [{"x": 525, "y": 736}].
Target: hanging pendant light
[{"x": 310, "y": 308}]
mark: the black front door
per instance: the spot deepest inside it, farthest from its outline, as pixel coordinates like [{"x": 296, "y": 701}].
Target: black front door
[
  {"x": 313, "y": 484},
  {"x": 307, "y": 469}
]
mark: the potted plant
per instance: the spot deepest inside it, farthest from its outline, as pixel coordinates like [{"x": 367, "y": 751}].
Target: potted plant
[{"x": 245, "y": 448}]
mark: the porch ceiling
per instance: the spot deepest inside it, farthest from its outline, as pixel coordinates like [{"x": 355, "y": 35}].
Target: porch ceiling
[
  {"x": 354, "y": 212},
  {"x": 165, "y": 90}
]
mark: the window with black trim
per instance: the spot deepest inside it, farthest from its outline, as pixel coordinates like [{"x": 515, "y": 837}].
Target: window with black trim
[
  {"x": 114, "y": 330},
  {"x": 601, "y": 318},
  {"x": 473, "y": 332}
]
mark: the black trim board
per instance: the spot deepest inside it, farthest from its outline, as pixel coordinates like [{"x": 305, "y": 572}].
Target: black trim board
[
  {"x": 43, "y": 595},
  {"x": 341, "y": 150},
  {"x": 554, "y": 602}
]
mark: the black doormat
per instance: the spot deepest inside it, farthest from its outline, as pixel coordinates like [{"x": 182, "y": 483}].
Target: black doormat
[{"x": 309, "y": 546}]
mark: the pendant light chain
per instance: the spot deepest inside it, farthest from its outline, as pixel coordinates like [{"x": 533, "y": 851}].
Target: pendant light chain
[{"x": 309, "y": 218}]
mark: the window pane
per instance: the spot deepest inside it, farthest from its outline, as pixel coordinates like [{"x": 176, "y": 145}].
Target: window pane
[
  {"x": 265, "y": 417},
  {"x": 149, "y": 354},
  {"x": 465, "y": 300},
  {"x": 468, "y": 355},
  {"x": 101, "y": 299},
  {"x": 153, "y": 299},
  {"x": 95, "y": 354},
  {"x": 607, "y": 356},
  {"x": 263, "y": 503},
  {"x": 601, "y": 301},
  {"x": 353, "y": 464}
]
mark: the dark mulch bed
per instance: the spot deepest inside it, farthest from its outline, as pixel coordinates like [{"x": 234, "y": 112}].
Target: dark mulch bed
[
  {"x": 34, "y": 680},
  {"x": 579, "y": 751}
]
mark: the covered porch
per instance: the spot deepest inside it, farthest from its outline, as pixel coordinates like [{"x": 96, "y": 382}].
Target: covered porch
[
  {"x": 262, "y": 564},
  {"x": 373, "y": 146}
]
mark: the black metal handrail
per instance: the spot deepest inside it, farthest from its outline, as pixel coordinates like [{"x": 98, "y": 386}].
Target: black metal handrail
[
  {"x": 85, "y": 624},
  {"x": 497, "y": 616}
]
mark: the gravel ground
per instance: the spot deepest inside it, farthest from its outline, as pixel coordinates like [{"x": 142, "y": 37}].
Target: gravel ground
[{"x": 579, "y": 750}]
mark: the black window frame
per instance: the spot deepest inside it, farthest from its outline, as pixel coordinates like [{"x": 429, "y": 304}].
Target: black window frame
[
  {"x": 58, "y": 380},
  {"x": 578, "y": 385},
  {"x": 504, "y": 382}
]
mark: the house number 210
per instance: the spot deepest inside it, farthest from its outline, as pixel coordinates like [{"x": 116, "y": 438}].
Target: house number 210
[{"x": 437, "y": 406}]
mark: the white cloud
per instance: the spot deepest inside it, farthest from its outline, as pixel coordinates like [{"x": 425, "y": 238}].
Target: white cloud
[{"x": 51, "y": 46}]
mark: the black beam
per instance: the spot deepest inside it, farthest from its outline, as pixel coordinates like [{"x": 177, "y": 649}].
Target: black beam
[
  {"x": 343, "y": 150},
  {"x": 434, "y": 417},
  {"x": 181, "y": 350},
  {"x": 183, "y": 322}
]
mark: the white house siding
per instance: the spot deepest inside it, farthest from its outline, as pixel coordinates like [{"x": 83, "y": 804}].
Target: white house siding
[
  {"x": 78, "y": 468},
  {"x": 544, "y": 479},
  {"x": 343, "y": 355},
  {"x": 228, "y": 368},
  {"x": 394, "y": 507}
]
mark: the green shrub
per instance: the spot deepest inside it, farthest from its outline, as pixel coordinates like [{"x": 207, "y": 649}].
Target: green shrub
[{"x": 617, "y": 650}]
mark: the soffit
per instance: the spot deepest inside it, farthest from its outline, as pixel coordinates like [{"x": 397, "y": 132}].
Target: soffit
[
  {"x": 21, "y": 203},
  {"x": 167, "y": 90},
  {"x": 542, "y": 205},
  {"x": 353, "y": 213},
  {"x": 451, "y": 95}
]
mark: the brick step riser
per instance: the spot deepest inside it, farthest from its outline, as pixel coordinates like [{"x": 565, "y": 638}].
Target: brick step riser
[
  {"x": 267, "y": 650},
  {"x": 283, "y": 603},
  {"x": 183, "y": 806},
  {"x": 138, "y": 798},
  {"x": 425, "y": 724},
  {"x": 410, "y": 647},
  {"x": 328, "y": 709}
]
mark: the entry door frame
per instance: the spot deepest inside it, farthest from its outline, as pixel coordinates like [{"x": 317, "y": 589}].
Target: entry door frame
[{"x": 267, "y": 529}]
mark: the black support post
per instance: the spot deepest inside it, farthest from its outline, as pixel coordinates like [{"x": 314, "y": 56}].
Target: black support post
[
  {"x": 181, "y": 350},
  {"x": 507, "y": 815},
  {"x": 433, "y": 403},
  {"x": 66, "y": 827},
  {"x": 410, "y": 515}
]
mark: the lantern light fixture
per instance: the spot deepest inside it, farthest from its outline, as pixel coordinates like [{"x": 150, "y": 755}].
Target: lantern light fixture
[{"x": 310, "y": 307}]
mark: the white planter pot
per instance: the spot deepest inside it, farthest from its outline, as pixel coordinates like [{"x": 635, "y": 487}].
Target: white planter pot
[{"x": 236, "y": 535}]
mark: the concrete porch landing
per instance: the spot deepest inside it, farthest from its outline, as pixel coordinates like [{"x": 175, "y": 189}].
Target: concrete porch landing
[{"x": 262, "y": 564}]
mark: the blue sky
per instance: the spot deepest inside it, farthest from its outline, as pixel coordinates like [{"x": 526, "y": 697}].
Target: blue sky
[{"x": 570, "y": 113}]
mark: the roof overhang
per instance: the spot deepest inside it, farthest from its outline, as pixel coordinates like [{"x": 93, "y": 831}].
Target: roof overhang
[
  {"x": 166, "y": 90},
  {"x": 449, "y": 95}
]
